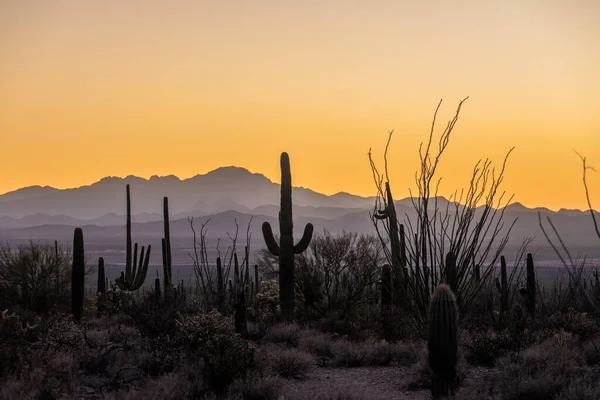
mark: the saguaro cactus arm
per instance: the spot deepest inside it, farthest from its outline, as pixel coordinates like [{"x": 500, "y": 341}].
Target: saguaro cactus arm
[
  {"x": 306, "y": 238},
  {"x": 270, "y": 241}
]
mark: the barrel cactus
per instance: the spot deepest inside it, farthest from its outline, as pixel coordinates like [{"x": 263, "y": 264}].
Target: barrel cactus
[{"x": 443, "y": 341}]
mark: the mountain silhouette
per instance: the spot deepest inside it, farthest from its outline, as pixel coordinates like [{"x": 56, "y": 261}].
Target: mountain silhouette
[{"x": 224, "y": 195}]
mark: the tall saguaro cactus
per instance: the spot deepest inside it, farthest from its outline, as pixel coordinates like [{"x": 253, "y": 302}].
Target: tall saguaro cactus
[
  {"x": 286, "y": 248},
  {"x": 101, "y": 276},
  {"x": 443, "y": 340},
  {"x": 77, "y": 275},
  {"x": 166, "y": 247}
]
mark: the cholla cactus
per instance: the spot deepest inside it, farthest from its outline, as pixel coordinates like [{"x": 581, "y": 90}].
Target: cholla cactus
[{"x": 443, "y": 340}]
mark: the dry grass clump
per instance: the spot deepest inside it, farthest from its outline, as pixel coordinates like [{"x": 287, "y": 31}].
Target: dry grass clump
[{"x": 286, "y": 362}]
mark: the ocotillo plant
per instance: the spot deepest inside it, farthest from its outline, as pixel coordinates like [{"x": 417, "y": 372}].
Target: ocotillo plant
[
  {"x": 286, "y": 248},
  {"x": 101, "y": 276},
  {"x": 77, "y": 275},
  {"x": 530, "y": 289},
  {"x": 256, "y": 281},
  {"x": 442, "y": 342}
]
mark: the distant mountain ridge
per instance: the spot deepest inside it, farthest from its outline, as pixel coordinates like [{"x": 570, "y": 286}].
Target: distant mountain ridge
[
  {"x": 34, "y": 209},
  {"x": 219, "y": 190}
]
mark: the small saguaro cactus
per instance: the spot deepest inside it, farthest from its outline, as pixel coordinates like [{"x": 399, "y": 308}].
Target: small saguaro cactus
[
  {"x": 451, "y": 275},
  {"x": 442, "y": 342},
  {"x": 101, "y": 276},
  {"x": 286, "y": 249},
  {"x": 77, "y": 275},
  {"x": 157, "y": 286},
  {"x": 502, "y": 286},
  {"x": 530, "y": 288}
]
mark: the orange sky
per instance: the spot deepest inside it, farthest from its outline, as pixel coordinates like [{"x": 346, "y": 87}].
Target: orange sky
[{"x": 89, "y": 89}]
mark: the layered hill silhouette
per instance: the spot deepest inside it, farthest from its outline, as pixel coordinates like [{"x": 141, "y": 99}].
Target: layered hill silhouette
[{"x": 224, "y": 195}]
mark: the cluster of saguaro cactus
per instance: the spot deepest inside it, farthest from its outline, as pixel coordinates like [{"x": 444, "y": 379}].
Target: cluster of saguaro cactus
[
  {"x": 442, "y": 341},
  {"x": 134, "y": 276},
  {"x": 78, "y": 275},
  {"x": 286, "y": 249}
]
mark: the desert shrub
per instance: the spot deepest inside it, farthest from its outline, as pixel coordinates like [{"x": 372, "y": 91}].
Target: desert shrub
[
  {"x": 367, "y": 354},
  {"x": 285, "y": 333},
  {"x": 335, "y": 276},
  {"x": 35, "y": 276},
  {"x": 264, "y": 310},
  {"x": 317, "y": 343},
  {"x": 288, "y": 363},
  {"x": 210, "y": 342},
  {"x": 485, "y": 347},
  {"x": 591, "y": 352},
  {"x": 541, "y": 371}
]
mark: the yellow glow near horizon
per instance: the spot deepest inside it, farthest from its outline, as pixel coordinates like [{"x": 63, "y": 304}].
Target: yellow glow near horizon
[{"x": 90, "y": 89}]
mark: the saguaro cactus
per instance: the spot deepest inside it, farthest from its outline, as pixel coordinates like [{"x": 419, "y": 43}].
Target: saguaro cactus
[
  {"x": 530, "y": 289},
  {"x": 397, "y": 245},
  {"x": 443, "y": 340},
  {"x": 502, "y": 286},
  {"x": 451, "y": 275},
  {"x": 286, "y": 248},
  {"x": 134, "y": 277},
  {"x": 166, "y": 247},
  {"x": 101, "y": 276},
  {"x": 77, "y": 275}
]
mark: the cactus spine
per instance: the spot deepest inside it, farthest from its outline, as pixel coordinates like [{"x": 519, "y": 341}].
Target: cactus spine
[
  {"x": 77, "y": 275},
  {"x": 286, "y": 248},
  {"x": 101, "y": 276},
  {"x": 530, "y": 289},
  {"x": 443, "y": 340}
]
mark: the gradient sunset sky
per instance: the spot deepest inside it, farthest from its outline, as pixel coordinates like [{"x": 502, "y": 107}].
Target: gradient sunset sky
[{"x": 96, "y": 88}]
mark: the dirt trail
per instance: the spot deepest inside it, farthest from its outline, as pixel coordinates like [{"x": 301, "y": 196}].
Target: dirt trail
[{"x": 373, "y": 383}]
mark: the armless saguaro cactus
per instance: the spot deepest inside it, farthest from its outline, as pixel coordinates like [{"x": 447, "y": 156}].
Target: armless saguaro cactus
[
  {"x": 286, "y": 248},
  {"x": 101, "y": 276},
  {"x": 443, "y": 341},
  {"x": 77, "y": 275}
]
